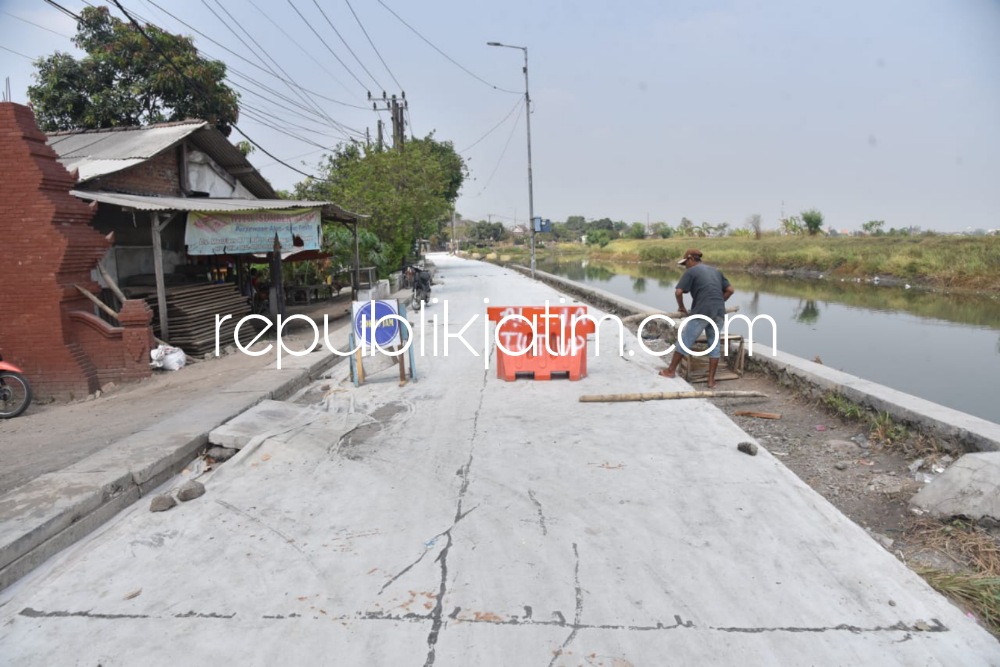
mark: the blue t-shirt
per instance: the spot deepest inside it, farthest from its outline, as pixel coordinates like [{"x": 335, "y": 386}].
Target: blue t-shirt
[{"x": 705, "y": 284}]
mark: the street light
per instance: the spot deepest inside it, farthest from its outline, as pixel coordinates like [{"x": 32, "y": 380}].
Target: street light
[{"x": 527, "y": 106}]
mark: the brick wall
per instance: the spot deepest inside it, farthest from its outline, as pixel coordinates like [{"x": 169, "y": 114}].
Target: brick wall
[
  {"x": 158, "y": 176},
  {"x": 48, "y": 247}
]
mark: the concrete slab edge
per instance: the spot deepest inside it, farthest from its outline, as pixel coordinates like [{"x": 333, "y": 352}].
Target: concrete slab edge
[
  {"x": 54, "y": 532},
  {"x": 958, "y": 429}
]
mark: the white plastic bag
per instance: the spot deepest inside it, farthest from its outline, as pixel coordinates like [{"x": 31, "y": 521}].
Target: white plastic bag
[{"x": 167, "y": 357}]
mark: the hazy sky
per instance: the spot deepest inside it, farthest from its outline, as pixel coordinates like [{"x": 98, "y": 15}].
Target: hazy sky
[{"x": 711, "y": 110}]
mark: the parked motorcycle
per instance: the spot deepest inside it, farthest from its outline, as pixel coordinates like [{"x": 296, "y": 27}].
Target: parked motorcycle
[
  {"x": 420, "y": 278},
  {"x": 15, "y": 392}
]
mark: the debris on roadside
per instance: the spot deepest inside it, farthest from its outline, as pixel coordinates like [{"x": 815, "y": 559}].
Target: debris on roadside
[
  {"x": 758, "y": 415},
  {"x": 747, "y": 448},
  {"x": 161, "y": 503},
  {"x": 190, "y": 490}
]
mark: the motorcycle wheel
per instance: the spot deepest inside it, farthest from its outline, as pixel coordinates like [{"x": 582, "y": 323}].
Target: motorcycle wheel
[{"x": 15, "y": 394}]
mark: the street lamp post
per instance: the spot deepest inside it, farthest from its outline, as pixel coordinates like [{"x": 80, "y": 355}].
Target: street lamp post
[{"x": 527, "y": 106}]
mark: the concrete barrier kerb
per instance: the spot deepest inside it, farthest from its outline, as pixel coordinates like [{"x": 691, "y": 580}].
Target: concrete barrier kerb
[{"x": 951, "y": 427}]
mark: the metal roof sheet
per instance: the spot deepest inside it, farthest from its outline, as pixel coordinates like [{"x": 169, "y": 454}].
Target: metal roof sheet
[
  {"x": 213, "y": 204},
  {"x": 96, "y": 153},
  {"x": 120, "y": 143}
]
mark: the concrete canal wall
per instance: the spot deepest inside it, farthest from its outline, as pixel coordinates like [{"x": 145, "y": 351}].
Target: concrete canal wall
[{"x": 954, "y": 429}]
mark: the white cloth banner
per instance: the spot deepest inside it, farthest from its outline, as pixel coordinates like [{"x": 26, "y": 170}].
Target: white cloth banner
[{"x": 252, "y": 231}]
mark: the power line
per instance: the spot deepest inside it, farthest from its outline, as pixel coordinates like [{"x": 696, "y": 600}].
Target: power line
[
  {"x": 307, "y": 101},
  {"x": 35, "y": 24},
  {"x": 318, "y": 36},
  {"x": 198, "y": 86},
  {"x": 488, "y": 133},
  {"x": 246, "y": 60},
  {"x": 398, "y": 84},
  {"x": 502, "y": 153},
  {"x": 449, "y": 58},
  {"x": 348, "y": 45},
  {"x": 345, "y": 130},
  {"x": 17, "y": 53},
  {"x": 312, "y": 110},
  {"x": 64, "y": 10},
  {"x": 298, "y": 44}
]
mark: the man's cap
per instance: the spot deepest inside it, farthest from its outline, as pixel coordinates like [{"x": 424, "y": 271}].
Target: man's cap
[{"x": 691, "y": 252}]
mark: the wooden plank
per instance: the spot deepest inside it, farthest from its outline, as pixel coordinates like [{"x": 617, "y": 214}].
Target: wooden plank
[{"x": 759, "y": 415}]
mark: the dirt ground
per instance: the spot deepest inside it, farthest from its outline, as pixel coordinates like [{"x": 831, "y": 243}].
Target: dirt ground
[{"x": 867, "y": 481}]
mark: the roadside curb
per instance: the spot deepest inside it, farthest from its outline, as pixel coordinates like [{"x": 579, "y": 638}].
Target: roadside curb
[{"x": 55, "y": 510}]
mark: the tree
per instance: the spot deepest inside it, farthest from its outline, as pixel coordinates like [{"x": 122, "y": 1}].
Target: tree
[
  {"x": 753, "y": 223},
  {"x": 686, "y": 228},
  {"x": 125, "y": 81},
  {"x": 813, "y": 220},
  {"x": 404, "y": 194},
  {"x": 662, "y": 229},
  {"x": 598, "y": 237},
  {"x": 873, "y": 227},
  {"x": 637, "y": 231},
  {"x": 791, "y": 225}
]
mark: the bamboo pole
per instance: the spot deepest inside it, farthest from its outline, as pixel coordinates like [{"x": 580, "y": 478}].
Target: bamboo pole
[
  {"x": 668, "y": 395},
  {"x": 112, "y": 285}
]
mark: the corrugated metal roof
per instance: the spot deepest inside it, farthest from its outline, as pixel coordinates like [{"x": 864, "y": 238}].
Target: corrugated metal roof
[
  {"x": 211, "y": 204},
  {"x": 97, "y": 153},
  {"x": 124, "y": 143}
]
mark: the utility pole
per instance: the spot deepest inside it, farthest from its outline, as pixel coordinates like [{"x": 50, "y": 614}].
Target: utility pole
[
  {"x": 527, "y": 108},
  {"x": 396, "y": 108},
  {"x": 454, "y": 244}
]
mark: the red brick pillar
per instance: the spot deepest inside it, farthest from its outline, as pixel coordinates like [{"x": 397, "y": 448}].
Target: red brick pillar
[
  {"x": 48, "y": 246},
  {"x": 137, "y": 339}
]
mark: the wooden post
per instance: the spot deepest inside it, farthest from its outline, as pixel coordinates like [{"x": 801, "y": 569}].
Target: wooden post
[
  {"x": 161, "y": 291},
  {"x": 277, "y": 287}
]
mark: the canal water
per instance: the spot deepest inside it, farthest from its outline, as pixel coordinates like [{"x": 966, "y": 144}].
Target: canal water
[{"x": 941, "y": 347}]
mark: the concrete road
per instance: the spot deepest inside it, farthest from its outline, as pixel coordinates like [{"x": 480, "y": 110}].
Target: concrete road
[{"x": 463, "y": 520}]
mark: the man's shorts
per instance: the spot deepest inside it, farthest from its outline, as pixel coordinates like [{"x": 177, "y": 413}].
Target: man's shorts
[{"x": 692, "y": 328}]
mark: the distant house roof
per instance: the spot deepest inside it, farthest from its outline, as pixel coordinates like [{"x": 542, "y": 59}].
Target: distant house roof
[{"x": 96, "y": 153}]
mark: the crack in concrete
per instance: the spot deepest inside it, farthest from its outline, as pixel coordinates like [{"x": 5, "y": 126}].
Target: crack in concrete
[
  {"x": 33, "y": 613},
  {"x": 195, "y": 614},
  {"x": 436, "y": 613},
  {"x": 901, "y": 626},
  {"x": 439, "y": 622},
  {"x": 538, "y": 506},
  {"x": 436, "y": 617},
  {"x": 579, "y": 607}
]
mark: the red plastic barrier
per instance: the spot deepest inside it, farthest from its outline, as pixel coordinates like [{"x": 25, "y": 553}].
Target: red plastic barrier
[{"x": 525, "y": 345}]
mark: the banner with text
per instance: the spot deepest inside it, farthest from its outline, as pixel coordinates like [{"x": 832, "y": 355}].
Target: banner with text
[{"x": 252, "y": 231}]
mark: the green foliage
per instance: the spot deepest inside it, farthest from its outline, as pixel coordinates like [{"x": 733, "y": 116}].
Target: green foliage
[
  {"x": 339, "y": 242},
  {"x": 124, "y": 81},
  {"x": 873, "y": 227},
  {"x": 843, "y": 407},
  {"x": 792, "y": 225},
  {"x": 598, "y": 237},
  {"x": 685, "y": 228},
  {"x": 404, "y": 194},
  {"x": 486, "y": 232},
  {"x": 637, "y": 231},
  {"x": 813, "y": 220},
  {"x": 662, "y": 230}
]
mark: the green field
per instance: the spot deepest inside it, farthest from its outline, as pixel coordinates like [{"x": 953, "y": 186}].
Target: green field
[{"x": 954, "y": 262}]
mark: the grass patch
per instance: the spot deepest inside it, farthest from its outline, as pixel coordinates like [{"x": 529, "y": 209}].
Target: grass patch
[
  {"x": 975, "y": 587},
  {"x": 843, "y": 407}
]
